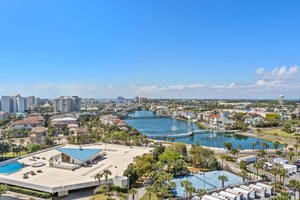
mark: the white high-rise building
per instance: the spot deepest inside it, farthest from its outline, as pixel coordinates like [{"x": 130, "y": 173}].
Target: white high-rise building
[
  {"x": 13, "y": 104},
  {"x": 281, "y": 99},
  {"x": 21, "y": 104},
  {"x": 5, "y": 104}
]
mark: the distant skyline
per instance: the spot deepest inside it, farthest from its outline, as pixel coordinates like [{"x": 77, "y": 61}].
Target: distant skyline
[{"x": 158, "y": 49}]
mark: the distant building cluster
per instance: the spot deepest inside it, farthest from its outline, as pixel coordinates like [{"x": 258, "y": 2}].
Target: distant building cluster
[
  {"x": 66, "y": 104},
  {"x": 19, "y": 104},
  {"x": 14, "y": 104},
  {"x": 142, "y": 100}
]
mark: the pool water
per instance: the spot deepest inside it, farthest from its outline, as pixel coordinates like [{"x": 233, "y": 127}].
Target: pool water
[
  {"x": 207, "y": 181},
  {"x": 10, "y": 168}
]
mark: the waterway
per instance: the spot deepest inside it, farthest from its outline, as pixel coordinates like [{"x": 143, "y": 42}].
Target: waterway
[{"x": 170, "y": 126}]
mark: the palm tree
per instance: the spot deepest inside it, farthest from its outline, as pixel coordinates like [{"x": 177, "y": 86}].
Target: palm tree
[
  {"x": 244, "y": 174},
  {"x": 261, "y": 153},
  {"x": 123, "y": 196},
  {"x": 258, "y": 165},
  {"x": 258, "y": 132},
  {"x": 285, "y": 145},
  {"x": 99, "y": 176},
  {"x": 291, "y": 153},
  {"x": 188, "y": 187},
  {"x": 239, "y": 147},
  {"x": 253, "y": 144},
  {"x": 223, "y": 156},
  {"x": 279, "y": 153},
  {"x": 149, "y": 189},
  {"x": 234, "y": 152},
  {"x": 274, "y": 171},
  {"x": 228, "y": 145},
  {"x": 298, "y": 188},
  {"x": 276, "y": 145},
  {"x": 172, "y": 140},
  {"x": 223, "y": 178},
  {"x": 276, "y": 134},
  {"x": 293, "y": 184},
  {"x": 282, "y": 196},
  {"x": 282, "y": 174},
  {"x": 265, "y": 146},
  {"x": 243, "y": 165},
  {"x": 185, "y": 184},
  {"x": 201, "y": 193},
  {"x": 106, "y": 173},
  {"x": 133, "y": 192}
]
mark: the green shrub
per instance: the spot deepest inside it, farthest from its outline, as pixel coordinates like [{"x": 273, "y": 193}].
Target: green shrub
[
  {"x": 229, "y": 158},
  {"x": 119, "y": 189},
  {"x": 29, "y": 192},
  {"x": 101, "y": 189}
]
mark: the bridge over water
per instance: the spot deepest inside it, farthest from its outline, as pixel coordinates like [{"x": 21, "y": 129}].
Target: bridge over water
[
  {"x": 184, "y": 135},
  {"x": 145, "y": 117}
]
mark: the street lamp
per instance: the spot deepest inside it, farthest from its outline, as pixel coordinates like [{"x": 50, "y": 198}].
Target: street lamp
[
  {"x": 128, "y": 183},
  {"x": 204, "y": 180}
]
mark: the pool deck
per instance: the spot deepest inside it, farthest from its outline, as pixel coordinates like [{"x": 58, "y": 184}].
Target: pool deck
[{"x": 54, "y": 180}]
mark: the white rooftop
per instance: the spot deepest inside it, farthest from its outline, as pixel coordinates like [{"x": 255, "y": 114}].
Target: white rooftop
[{"x": 53, "y": 179}]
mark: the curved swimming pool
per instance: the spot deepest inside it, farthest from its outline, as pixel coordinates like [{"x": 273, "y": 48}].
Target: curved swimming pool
[{"x": 10, "y": 168}]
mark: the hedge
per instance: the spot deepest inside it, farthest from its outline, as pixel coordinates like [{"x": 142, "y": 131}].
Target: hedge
[
  {"x": 119, "y": 189},
  {"x": 29, "y": 192}
]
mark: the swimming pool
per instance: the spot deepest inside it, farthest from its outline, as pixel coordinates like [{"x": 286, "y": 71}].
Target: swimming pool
[
  {"x": 206, "y": 180},
  {"x": 10, "y": 168}
]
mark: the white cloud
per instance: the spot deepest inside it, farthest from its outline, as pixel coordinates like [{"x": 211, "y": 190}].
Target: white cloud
[
  {"x": 281, "y": 73},
  {"x": 260, "y": 71},
  {"x": 269, "y": 84},
  {"x": 232, "y": 85}
]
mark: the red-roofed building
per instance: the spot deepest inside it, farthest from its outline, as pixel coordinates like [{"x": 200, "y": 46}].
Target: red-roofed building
[{"x": 29, "y": 123}]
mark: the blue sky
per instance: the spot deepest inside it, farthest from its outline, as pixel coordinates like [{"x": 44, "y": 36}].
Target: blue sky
[{"x": 157, "y": 49}]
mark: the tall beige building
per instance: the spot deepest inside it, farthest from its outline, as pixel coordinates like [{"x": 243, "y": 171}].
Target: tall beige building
[{"x": 66, "y": 104}]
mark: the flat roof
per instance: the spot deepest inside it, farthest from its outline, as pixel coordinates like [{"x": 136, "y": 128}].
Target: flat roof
[
  {"x": 53, "y": 180},
  {"x": 80, "y": 153}
]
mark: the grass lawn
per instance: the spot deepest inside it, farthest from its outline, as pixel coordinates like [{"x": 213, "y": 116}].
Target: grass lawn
[
  {"x": 10, "y": 154},
  {"x": 146, "y": 195},
  {"x": 99, "y": 197},
  {"x": 279, "y": 132}
]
